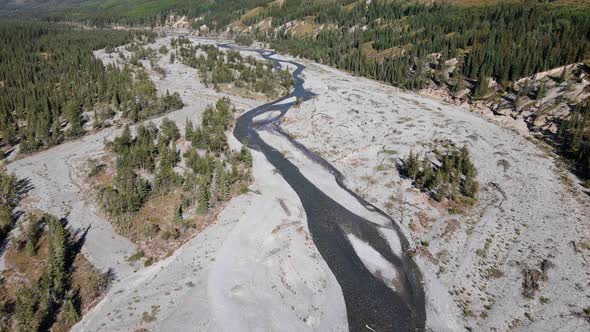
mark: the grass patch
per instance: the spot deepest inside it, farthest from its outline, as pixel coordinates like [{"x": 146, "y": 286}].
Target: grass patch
[{"x": 135, "y": 257}]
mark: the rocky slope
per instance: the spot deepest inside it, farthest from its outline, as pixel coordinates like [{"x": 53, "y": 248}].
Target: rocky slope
[{"x": 535, "y": 104}]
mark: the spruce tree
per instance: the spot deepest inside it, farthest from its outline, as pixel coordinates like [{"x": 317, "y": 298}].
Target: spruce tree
[
  {"x": 73, "y": 115},
  {"x": 482, "y": 88},
  {"x": 189, "y": 130},
  {"x": 58, "y": 252},
  {"x": 427, "y": 174},
  {"x": 246, "y": 156},
  {"x": 25, "y": 310},
  {"x": 70, "y": 313},
  {"x": 412, "y": 165},
  {"x": 203, "y": 199}
]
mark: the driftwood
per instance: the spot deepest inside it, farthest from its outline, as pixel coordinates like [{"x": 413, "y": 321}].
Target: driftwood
[
  {"x": 532, "y": 282},
  {"x": 534, "y": 279}
]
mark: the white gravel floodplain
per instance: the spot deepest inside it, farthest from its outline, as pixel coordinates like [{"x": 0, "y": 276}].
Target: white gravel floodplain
[
  {"x": 529, "y": 208},
  {"x": 242, "y": 273},
  {"x": 57, "y": 177}
]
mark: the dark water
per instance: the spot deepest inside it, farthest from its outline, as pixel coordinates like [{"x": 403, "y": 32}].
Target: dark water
[{"x": 370, "y": 304}]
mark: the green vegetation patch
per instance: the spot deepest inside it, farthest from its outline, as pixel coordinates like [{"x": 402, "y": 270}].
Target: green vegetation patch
[
  {"x": 230, "y": 69},
  {"x": 48, "y": 283},
  {"x": 152, "y": 200},
  {"x": 51, "y": 83},
  {"x": 444, "y": 175}
]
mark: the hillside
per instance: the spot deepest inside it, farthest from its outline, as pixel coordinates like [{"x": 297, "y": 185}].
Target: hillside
[
  {"x": 33, "y": 7},
  {"x": 492, "y": 57}
]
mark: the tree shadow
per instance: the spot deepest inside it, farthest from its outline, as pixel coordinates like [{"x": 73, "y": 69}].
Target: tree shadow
[
  {"x": 23, "y": 187},
  {"x": 3, "y": 243},
  {"x": 4, "y": 238},
  {"x": 78, "y": 240},
  {"x": 8, "y": 152}
]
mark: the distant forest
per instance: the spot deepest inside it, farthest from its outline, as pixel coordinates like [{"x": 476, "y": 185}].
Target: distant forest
[
  {"x": 216, "y": 14},
  {"x": 504, "y": 42},
  {"x": 51, "y": 83}
]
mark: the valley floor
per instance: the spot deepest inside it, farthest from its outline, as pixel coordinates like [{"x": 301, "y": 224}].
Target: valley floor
[
  {"x": 249, "y": 261},
  {"x": 257, "y": 268},
  {"x": 530, "y": 208}
]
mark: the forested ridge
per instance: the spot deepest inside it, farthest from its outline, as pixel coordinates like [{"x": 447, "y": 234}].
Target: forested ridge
[
  {"x": 505, "y": 42},
  {"x": 412, "y": 40},
  {"x": 216, "y": 14},
  {"x": 49, "y": 79}
]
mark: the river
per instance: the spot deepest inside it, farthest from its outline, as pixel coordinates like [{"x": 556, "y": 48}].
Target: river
[{"x": 370, "y": 303}]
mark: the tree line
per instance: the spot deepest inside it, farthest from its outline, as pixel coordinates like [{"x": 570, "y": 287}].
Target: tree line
[
  {"x": 504, "y": 42},
  {"x": 51, "y": 84}
]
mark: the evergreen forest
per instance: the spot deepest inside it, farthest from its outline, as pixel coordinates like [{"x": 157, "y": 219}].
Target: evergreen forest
[{"x": 51, "y": 84}]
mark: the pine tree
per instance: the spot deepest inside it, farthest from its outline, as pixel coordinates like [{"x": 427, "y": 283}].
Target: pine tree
[
  {"x": 73, "y": 115},
  {"x": 541, "y": 91},
  {"x": 123, "y": 142},
  {"x": 58, "y": 251},
  {"x": 25, "y": 310},
  {"x": 412, "y": 165},
  {"x": 470, "y": 186},
  {"x": 8, "y": 192},
  {"x": 441, "y": 188},
  {"x": 70, "y": 313},
  {"x": 8, "y": 200},
  {"x": 189, "y": 130},
  {"x": 32, "y": 234},
  {"x": 235, "y": 174},
  {"x": 177, "y": 218},
  {"x": 56, "y": 131},
  {"x": 482, "y": 89},
  {"x": 203, "y": 199},
  {"x": 221, "y": 182},
  {"x": 246, "y": 156},
  {"x": 427, "y": 174}
]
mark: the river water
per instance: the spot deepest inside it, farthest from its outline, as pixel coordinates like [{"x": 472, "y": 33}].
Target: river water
[{"x": 370, "y": 303}]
